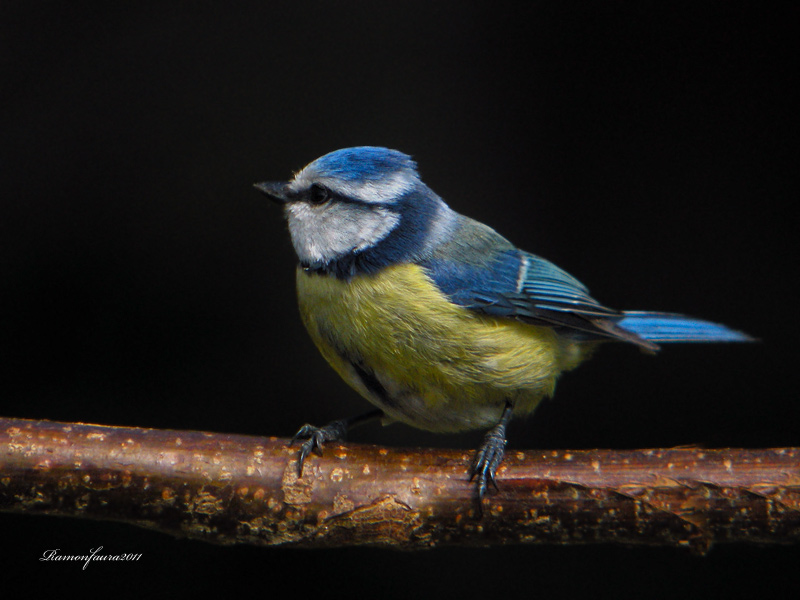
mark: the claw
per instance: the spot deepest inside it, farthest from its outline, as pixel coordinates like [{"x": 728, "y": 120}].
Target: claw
[
  {"x": 315, "y": 438},
  {"x": 304, "y": 432},
  {"x": 488, "y": 458}
]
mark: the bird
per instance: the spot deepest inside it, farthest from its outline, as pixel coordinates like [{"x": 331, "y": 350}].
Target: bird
[{"x": 433, "y": 317}]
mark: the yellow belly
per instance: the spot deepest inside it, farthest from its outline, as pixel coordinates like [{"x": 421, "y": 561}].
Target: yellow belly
[{"x": 443, "y": 367}]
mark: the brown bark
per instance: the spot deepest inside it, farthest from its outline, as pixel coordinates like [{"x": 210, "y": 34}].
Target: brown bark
[{"x": 239, "y": 489}]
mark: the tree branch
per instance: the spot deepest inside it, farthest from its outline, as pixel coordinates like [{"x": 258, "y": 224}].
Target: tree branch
[{"x": 240, "y": 489}]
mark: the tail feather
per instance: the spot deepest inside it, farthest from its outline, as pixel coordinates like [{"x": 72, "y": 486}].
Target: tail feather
[{"x": 668, "y": 327}]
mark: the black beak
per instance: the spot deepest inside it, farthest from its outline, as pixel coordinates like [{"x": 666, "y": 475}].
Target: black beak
[{"x": 274, "y": 190}]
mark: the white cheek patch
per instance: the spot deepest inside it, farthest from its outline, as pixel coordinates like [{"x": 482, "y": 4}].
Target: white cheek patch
[{"x": 325, "y": 233}]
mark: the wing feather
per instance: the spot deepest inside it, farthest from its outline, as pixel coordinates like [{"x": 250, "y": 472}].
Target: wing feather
[{"x": 492, "y": 277}]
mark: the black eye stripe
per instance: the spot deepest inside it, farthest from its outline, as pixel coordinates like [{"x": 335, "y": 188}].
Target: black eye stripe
[{"x": 318, "y": 194}]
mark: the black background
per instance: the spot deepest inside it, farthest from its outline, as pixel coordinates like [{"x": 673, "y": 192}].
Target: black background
[{"x": 649, "y": 151}]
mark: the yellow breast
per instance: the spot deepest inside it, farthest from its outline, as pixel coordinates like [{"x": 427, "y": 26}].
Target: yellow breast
[{"x": 441, "y": 367}]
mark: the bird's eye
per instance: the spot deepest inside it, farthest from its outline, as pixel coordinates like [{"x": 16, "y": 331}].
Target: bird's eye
[{"x": 318, "y": 194}]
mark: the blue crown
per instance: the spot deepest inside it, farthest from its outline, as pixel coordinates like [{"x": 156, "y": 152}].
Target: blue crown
[{"x": 363, "y": 163}]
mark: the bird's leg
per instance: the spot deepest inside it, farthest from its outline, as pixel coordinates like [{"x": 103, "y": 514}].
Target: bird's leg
[
  {"x": 490, "y": 455},
  {"x": 335, "y": 431}
]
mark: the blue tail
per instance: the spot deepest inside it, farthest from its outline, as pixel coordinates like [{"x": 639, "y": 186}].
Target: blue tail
[{"x": 668, "y": 327}]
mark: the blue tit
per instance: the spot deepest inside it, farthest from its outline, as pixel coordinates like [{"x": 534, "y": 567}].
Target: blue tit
[{"x": 433, "y": 317}]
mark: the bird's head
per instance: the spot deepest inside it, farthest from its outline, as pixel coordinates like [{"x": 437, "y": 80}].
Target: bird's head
[{"x": 349, "y": 201}]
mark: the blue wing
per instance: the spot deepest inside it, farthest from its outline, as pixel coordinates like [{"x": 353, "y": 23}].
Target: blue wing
[
  {"x": 516, "y": 284},
  {"x": 480, "y": 270}
]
